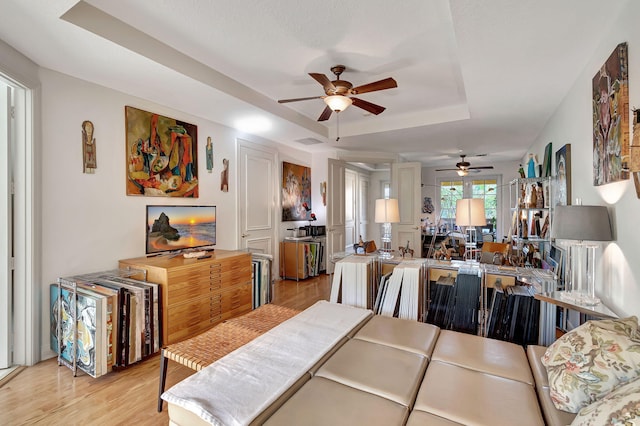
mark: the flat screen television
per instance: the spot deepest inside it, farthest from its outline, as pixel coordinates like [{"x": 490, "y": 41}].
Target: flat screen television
[{"x": 171, "y": 228}]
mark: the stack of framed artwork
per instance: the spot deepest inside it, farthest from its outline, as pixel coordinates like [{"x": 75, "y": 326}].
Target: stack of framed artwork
[{"x": 104, "y": 321}]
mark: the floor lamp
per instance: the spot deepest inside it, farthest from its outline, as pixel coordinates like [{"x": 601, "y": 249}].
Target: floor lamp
[
  {"x": 579, "y": 224},
  {"x": 386, "y": 213},
  {"x": 470, "y": 213}
]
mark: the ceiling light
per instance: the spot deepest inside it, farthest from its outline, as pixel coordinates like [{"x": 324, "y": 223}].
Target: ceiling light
[
  {"x": 338, "y": 103},
  {"x": 462, "y": 172}
]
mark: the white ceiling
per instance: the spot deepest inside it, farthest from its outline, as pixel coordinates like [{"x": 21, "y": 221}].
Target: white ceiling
[{"x": 474, "y": 76}]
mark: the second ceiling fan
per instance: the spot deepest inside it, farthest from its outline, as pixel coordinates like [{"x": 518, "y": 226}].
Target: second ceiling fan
[
  {"x": 337, "y": 90},
  {"x": 463, "y": 167}
]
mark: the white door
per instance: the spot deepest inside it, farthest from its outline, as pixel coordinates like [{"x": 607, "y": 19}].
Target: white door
[
  {"x": 5, "y": 229},
  {"x": 363, "y": 206},
  {"x": 257, "y": 198},
  {"x": 405, "y": 185},
  {"x": 350, "y": 208},
  {"x": 335, "y": 210}
]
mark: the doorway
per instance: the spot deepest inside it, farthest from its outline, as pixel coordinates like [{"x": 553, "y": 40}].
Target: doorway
[
  {"x": 19, "y": 307},
  {"x": 6, "y": 228}
]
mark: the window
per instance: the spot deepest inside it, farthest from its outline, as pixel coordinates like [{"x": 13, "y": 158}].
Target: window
[
  {"x": 453, "y": 190},
  {"x": 386, "y": 189},
  {"x": 487, "y": 189},
  {"x": 450, "y": 193}
]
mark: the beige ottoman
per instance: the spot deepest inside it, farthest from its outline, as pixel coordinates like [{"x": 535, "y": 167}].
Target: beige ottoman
[
  {"x": 490, "y": 356},
  {"x": 421, "y": 418},
  {"x": 474, "y": 398},
  {"x": 323, "y": 402},
  {"x": 403, "y": 334},
  {"x": 378, "y": 369}
]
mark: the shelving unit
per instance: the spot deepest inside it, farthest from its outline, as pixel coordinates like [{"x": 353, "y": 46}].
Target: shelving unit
[
  {"x": 299, "y": 260},
  {"x": 531, "y": 216}
]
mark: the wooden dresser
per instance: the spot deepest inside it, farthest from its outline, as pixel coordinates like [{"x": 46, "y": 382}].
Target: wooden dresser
[{"x": 198, "y": 293}]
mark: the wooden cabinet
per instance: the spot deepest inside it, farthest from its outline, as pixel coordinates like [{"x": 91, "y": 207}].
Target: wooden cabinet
[
  {"x": 302, "y": 257},
  {"x": 198, "y": 293}
]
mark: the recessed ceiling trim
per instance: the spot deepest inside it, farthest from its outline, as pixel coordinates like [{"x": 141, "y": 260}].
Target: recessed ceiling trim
[
  {"x": 104, "y": 25},
  {"x": 404, "y": 121}
]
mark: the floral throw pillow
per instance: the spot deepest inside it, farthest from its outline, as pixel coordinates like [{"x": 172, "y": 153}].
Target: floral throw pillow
[
  {"x": 592, "y": 360},
  {"x": 620, "y": 407}
]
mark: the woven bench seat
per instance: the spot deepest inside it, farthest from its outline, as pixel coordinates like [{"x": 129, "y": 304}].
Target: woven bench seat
[
  {"x": 222, "y": 339},
  {"x": 263, "y": 318}
]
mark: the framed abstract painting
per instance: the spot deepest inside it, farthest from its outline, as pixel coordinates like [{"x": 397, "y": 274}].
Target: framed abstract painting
[
  {"x": 562, "y": 196},
  {"x": 296, "y": 192},
  {"x": 161, "y": 155},
  {"x": 610, "y": 88}
]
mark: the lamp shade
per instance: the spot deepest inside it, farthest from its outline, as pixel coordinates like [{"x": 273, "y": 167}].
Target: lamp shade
[
  {"x": 387, "y": 210},
  {"x": 581, "y": 223},
  {"x": 338, "y": 103},
  {"x": 470, "y": 212}
]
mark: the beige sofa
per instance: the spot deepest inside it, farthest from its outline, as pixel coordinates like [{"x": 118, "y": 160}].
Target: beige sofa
[{"x": 395, "y": 372}]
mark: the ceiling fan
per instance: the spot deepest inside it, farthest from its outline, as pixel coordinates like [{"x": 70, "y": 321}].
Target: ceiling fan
[
  {"x": 463, "y": 167},
  {"x": 337, "y": 90}
]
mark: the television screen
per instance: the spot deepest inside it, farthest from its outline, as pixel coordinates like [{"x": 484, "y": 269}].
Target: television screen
[{"x": 171, "y": 228}]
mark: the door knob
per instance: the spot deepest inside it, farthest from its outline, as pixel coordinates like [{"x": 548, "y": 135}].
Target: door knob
[{"x": 245, "y": 235}]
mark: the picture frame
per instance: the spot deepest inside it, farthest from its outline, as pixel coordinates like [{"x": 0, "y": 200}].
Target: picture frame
[
  {"x": 296, "y": 192},
  {"x": 562, "y": 187},
  {"x": 557, "y": 260},
  {"x": 161, "y": 155},
  {"x": 546, "y": 163},
  {"x": 610, "y": 103}
]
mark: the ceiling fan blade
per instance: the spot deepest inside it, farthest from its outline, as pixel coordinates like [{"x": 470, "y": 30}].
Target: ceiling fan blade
[
  {"x": 368, "y": 106},
  {"x": 324, "y": 80},
  {"x": 284, "y": 101},
  {"x": 325, "y": 114},
  {"x": 387, "y": 83},
  {"x": 479, "y": 167},
  {"x": 447, "y": 170}
]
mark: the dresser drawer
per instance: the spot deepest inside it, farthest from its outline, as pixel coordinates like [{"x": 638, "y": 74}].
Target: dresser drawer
[
  {"x": 182, "y": 289},
  {"x": 236, "y": 297},
  {"x": 192, "y": 317}
]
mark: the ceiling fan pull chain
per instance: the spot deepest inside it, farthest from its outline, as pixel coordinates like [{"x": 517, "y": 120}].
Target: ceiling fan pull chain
[{"x": 338, "y": 125}]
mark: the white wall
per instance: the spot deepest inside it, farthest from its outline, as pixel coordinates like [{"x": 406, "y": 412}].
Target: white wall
[
  {"x": 618, "y": 283},
  {"x": 88, "y": 221}
]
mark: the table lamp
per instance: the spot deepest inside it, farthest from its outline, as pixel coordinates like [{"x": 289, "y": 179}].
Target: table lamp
[
  {"x": 578, "y": 224},
  {"x": 386, "y": 213},
  {"x": 470, "y": 213}
]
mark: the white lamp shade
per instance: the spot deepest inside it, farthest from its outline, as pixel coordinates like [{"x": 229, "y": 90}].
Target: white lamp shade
[
  {"x": 581, "y": 223},
  {"x": 387, "y": 210},
  {"x": 470, "y": 212},
  {"x": 338, "y": 103}
]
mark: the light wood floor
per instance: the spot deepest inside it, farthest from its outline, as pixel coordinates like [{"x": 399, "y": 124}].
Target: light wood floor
[{"x": 48, "y": 394}]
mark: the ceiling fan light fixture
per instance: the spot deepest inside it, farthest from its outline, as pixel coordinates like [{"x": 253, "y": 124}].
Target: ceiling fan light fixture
[
  {"x": 338, "y": 103},
  {"x": 462, "y": 172}
]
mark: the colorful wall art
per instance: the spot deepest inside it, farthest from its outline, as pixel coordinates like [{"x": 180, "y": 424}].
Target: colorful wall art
[
  {"x": 563, "y": 176},
  {"x": 161, "y": 155},
  {"x": 296, "y": 192},
  {"x": 611, "y": 119}
]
